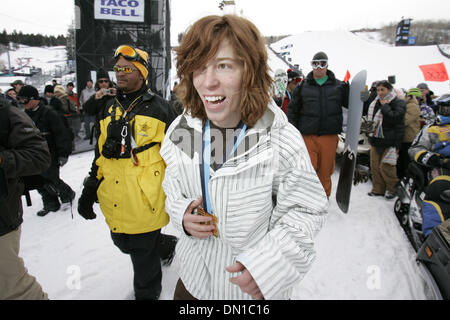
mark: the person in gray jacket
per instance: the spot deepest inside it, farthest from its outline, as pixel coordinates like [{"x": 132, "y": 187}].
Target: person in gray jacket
[{"x": 23, "y": 152}]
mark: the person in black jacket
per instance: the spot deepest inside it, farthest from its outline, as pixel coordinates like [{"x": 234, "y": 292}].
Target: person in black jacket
[
  {"x": 59, "y": 143},
  {"x": 316, "y": 111},
  {"x": 387, "y": 112},
  {"x": 23, "y": 152}
]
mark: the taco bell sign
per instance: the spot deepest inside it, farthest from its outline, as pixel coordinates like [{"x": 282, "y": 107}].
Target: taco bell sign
[{"x": 123, "y": 10}]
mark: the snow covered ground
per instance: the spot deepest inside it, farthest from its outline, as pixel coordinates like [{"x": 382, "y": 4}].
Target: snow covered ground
[{"x": 360, "y": 255}]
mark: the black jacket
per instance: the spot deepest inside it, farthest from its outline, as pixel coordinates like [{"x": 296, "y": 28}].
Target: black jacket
[
  {"x": 393, "y": 124},
  {"x": 54, "y": 130},
  {"x": 317, "y": 109},
  {"x": 23, "y": 152}
]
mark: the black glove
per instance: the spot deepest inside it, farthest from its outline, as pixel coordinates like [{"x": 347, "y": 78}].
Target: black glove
[
  {"x": 62, "y": 161},
  {"x": 430, "y": 159},
  {"x": 88, "y": 198}
]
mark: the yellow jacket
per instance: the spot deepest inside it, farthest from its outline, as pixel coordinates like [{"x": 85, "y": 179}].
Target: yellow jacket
[{"x": 130, "y": 195}]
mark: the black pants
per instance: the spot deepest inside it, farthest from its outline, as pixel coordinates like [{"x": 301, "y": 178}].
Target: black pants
[
  {"x": 403, "y": 160},
  {"x": 143, "y": 250},
  {"x": 55, "y": 187}
]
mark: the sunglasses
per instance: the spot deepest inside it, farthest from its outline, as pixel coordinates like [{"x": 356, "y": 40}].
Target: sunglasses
[
  {"x": 124, "y": 69},
  {"x": 322, "y": 64},
  {"x": 103, "y": 81},
  {"x": 130, "y": 54},
  {"x": 23, "y": 100}
]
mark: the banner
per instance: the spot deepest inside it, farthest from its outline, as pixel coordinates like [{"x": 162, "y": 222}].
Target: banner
[
  {"x": 434, "y": 72},
  {"x": 122, "y": 10}
]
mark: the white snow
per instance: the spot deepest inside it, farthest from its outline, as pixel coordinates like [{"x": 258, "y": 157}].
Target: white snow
[
  {"x": 52, "y": 60},
  {"x": 348, "y": 51},
  {"x": 360, "y": 255}
]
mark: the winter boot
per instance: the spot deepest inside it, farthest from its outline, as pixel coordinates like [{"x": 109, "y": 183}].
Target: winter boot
[
  {"x": 67, "y": 197},
  {"x": 48, "y": 207},
  {"x": 166, "y": 248},
  {"x": 390, "y": 195},
  {"x": 49, "y": 198}
]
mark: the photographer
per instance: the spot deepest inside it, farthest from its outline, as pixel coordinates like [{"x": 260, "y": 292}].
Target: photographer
[{"x": 104, "y": 90}]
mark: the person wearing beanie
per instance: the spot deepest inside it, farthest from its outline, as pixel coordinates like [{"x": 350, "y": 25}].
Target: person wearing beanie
[
  {"x": 69, "y": 111},
  {"x": 127, "y": 170},
  {"x": 59, "y": 140},
  {"x": 50, "y": 99},
  {"x": 23, "y": 153},
  {"x": 293, "y": 80},
  {"x": 412, "y": 127},
  {"x": 104, "y": 89},
  {"x": 427, "y": 97},
  {"x": 17, "y": 85},
  {"x": 316, "y": 111}
]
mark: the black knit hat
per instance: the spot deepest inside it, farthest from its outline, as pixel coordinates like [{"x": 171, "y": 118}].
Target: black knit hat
[
  {"x": 28, "y": 92},
  {"x": 320, "y": 56},
  {"x": 292, "y": 75},
  {"x": 49, "y": 88},
  {"x": 102, "y": 74}
]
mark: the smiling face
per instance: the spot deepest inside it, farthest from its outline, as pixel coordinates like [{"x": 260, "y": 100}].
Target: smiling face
[{"x": 219, "y": 86}]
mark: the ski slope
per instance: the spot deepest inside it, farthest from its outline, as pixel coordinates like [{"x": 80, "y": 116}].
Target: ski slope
[{"x": 353, "y": 52}]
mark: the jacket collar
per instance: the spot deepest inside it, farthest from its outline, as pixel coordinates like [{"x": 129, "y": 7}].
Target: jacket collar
[
  {"x": 272, "y": 117},
  {"x": 330, "y": 74}
]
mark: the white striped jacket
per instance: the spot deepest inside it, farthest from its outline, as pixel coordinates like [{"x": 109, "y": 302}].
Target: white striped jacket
[{"x": 269, "y": 202}]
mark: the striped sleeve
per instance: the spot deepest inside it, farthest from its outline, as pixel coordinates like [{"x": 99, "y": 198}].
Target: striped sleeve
[
  {"x": 286, "y": 253},
  {"x": 176, "y": 204}
]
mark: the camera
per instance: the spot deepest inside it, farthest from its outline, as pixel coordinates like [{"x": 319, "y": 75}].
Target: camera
[{"x": 108, "y": 91}]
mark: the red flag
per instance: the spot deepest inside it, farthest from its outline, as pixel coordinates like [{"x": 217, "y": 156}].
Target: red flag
[
  {"x": 434, "y": 72},
  {"x": 347, "y": 76}
]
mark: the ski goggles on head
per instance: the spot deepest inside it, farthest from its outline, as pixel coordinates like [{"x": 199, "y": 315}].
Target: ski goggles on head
[
  {"x": 322, "y": 64},
  {"x": 130, "y": 54}
]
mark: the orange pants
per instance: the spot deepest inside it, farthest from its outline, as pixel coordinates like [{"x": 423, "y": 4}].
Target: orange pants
[{"x": 322, "y": 151}]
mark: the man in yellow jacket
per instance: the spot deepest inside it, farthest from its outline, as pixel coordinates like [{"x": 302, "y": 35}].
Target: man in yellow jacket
[{"x": 128, "y": 170}]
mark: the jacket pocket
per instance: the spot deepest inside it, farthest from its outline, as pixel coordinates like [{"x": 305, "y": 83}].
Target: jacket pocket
[
  {"x": 248, "y": 215},
  {"x": 150, "y": 181}
]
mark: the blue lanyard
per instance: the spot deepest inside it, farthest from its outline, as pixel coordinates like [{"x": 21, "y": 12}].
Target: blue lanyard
[
  {"x": 206, "y": 163},
  {"x": 289, "y": 95}
]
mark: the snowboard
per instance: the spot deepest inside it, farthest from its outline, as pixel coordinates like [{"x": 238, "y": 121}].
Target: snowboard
[
  {"x": 280, "y": 82},
  {"x": 348, "y": 162}
]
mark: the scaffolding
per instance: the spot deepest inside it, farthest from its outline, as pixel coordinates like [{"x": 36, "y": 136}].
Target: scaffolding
[{"x": 97, "y": 39}]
